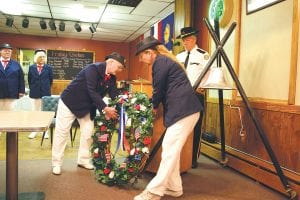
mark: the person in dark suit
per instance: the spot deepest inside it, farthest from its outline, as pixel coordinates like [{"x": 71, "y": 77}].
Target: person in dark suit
[
  {"x": 172, "y": 88},
  {"x": 79, "y": 101},
  {"x": 194, "y": 60},
  {"x": 40, "y": 79},
  {"x": 12, "y": 83}
]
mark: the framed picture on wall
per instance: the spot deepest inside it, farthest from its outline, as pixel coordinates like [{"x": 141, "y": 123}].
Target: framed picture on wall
[{"x": 256, "y": 5}]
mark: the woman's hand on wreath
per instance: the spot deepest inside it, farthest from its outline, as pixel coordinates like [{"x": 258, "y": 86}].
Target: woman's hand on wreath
[{"x": 110, "y": 113}]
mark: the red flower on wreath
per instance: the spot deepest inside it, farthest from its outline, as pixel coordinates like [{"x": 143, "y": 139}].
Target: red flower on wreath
[
  {"x": 137, "y": 107},
  {"x": 147, "y": 140},
  {"x": 130, "y": 170},
  {"x": 96, "y": 155},
  {"x": 106, "y": 171},
  {"x": 103, "y": 128}
]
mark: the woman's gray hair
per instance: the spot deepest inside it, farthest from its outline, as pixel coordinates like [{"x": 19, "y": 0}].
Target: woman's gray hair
[{"x": 39, "y": 54}]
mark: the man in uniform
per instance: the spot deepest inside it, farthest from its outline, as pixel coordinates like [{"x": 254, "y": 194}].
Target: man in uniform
[{"x": 194, "y": 59}]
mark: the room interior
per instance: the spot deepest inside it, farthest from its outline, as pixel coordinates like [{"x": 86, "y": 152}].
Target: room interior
[{"x": 263, "y": 50}]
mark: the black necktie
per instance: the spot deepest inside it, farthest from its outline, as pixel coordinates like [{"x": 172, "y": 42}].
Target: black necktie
[{"x": 187, "y": 59}]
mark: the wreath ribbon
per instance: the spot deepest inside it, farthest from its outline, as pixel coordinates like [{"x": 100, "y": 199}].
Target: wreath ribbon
[{"x": 121, "y": 136}]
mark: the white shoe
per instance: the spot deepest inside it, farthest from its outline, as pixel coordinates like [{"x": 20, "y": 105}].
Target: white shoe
[
  {"x": 174, "y": 193},
  {"x": 56, "y": 170},
  {"x": 46, "y": 135},
  {"x": 86, "y": 166},
  {"x": 32, "y": 135},
  {"x": 146, "y": 195}
]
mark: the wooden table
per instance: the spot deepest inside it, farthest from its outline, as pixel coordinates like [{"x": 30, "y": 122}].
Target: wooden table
[{"x": 13, "y": 122}]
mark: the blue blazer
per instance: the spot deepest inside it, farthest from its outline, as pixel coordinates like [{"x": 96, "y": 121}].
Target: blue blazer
[
  {"x": 40, "y": 84},
  {"x": 172, "y": 88},
  {"x": 11, "y": 80},
  {"x": 84, "y": 94}
]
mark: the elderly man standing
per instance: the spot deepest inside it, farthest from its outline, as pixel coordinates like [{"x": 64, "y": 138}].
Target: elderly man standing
[
  {"x": 194, "y": 60},
  {"x": 79, "y": 101},
  {"x": 12, "y": 84}
]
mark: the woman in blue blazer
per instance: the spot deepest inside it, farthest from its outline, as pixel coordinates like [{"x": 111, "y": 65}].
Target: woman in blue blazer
[
  {"x": 171, "y": 88},
  {"x": 40, "y": 78}
]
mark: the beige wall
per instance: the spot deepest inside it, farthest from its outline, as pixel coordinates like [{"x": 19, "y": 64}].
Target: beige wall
[{"x": 265, "y": 51}]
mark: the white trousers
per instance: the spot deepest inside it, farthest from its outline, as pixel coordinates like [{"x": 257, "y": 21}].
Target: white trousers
[
  {"x": 7, "y": 104},
  {"x": 168, "y": 174},
  {"x": 63, "y": 123}
]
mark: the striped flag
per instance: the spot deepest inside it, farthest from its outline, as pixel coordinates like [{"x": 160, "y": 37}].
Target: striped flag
[
  {"x": 108, "y": 157},
  {"x": 137, "y": 133}
]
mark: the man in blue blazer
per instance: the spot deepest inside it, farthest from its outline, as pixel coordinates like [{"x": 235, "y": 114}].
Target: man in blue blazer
[
  {"x": 12, "y": 84},
  {"x": 79, "y": 101},
  {"x": 40, "y": 79}
]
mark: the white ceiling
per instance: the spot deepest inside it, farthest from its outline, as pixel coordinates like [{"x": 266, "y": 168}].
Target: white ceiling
[{"x": 112, "y": 22}]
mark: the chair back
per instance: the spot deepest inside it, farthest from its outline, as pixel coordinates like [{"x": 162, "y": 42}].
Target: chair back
[{"x": 49, "y": 103}]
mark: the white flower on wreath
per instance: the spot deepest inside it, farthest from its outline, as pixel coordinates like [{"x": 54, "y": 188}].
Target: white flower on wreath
[
  {"x": 111, "y": 174},
  {"x": 132, "y": 151},
  {"x": 133, "y": 100},
  {"x": 142, "y": 108},
  {"x": 96, "y": 150},
  {"x": 145, "y": 150}
]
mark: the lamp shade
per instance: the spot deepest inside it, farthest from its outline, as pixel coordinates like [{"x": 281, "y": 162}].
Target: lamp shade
[
  {"x": 43, "y": 24},
  {"x": 9, "y": 21},
  {"x": 92, "y": 28},
  {"x": 62, "y": 26},
  {"x": 25, "y": 23},
  {"x": 52, "y": 25},
  {"x": 77, "y": 27}
]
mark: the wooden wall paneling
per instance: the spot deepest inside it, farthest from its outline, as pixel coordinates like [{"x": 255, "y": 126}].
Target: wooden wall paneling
[{"x": 281, "y": 129}]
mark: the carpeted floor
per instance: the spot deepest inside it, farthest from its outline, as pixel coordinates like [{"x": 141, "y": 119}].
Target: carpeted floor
[{"x": 210, "y": 181}]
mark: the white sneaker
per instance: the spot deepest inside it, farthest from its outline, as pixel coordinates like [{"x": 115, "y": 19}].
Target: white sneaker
[
  {"x": 86, "y": 166},
  {"x": 56, "y": 170},
  {"x": 146, "y": 195},
  {"x": 46, "y": 135},
  {"x": 32, "y": 135}
]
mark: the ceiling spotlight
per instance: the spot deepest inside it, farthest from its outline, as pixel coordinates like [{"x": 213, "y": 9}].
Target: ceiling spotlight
[
  {"x": 77, "y": 27},
  {"x": 25, "y": 23},
  {"x": 92, "y": 28},
  {"x": 43, "y": 24},
  {"x": 9, "y": 21},
  {"x": 52, "y": 25},
  {"x": 62, "y": 26}
]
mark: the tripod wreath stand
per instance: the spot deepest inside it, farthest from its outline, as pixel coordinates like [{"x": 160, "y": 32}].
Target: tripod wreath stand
[{"x": 220, "y": 53}]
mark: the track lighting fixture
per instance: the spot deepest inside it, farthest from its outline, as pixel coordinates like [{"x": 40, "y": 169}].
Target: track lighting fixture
[
  {"x": 52, "y": 25},
  {"x": 77, "y": 27},
  {"x": 25, "y": 23},
  {"x": 43, "y": 24},
  {"x": 9, "y": 21},
  {"x": 92, "y": 28},
  {"x": 62, "y": 26}
]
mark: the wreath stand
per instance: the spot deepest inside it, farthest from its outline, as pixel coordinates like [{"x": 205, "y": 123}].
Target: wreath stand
[{"x": 219, "y": 52}]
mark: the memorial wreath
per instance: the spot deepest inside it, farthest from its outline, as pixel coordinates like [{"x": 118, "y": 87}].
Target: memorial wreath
[{"x": 131, "y": 135}]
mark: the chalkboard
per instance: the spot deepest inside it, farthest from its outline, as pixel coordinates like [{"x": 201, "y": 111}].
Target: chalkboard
[{"x": 67, "y": 64}]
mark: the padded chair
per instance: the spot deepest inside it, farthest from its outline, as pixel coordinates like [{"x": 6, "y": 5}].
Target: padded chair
[{"x": 50, "y": 103}]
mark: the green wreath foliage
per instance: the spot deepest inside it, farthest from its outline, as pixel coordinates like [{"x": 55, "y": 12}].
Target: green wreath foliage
[{"x": 138, "y": 134}]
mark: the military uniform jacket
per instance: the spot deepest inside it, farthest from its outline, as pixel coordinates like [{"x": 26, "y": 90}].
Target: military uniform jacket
[
  {"x": 172, "y": 88},
  {"x": 197, "y": 61},
  {"x": 84, "y": 94},
  {"x": 40, "y": 84},
  {"x": 11, "y": 80}
]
